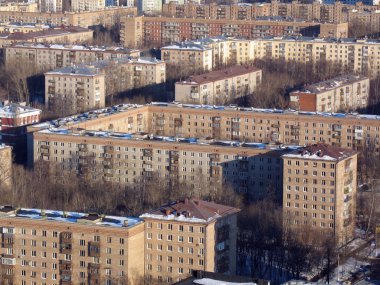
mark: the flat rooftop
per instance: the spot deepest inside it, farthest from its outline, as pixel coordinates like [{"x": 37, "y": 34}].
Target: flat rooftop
[
  {"x": 71, "y": 121},
  {"x": 186, "y": 46},
  {"x": 69, "y": 217},
  {"x": 217, "y": 75},
  {"x": 73, "y": 47},
  {"x": 319, "y": 40},
  {"x": 79, "y": 70},
  {"x": 333, "y": 83},
  {"x": 15, "y": 109},
  {"x": 45, "y": 33}
]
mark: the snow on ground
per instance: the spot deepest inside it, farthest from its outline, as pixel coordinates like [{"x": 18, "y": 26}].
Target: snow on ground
[{"x": 208, "y": 281}]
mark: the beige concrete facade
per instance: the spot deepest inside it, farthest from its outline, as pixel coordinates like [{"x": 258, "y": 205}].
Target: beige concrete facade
[
  {"x": 18, "y": 7},
  {"x": 359, "y": 56},
  {"x": 106, "y": 17},
  {"x": 341, "y": 94},
  {"x": 35, "y": 55},
  {"x": 81, "y": 88},
  {"x": 316, "y": 11},
  {"x": 5, "y": 167},
  {"x": 132, "y": 31},
  {"x": 68, "y": 35},
  {"x": 57, "y": 247},
  {"x": 21, "y": 28},
  {"x": 177, "y": 242},
  {"x": 218, "y": 87},
  {"x": 320, "y": 191}
]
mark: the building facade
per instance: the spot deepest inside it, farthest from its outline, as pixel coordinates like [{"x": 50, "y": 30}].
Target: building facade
[
  {"x": 68, "y": 35},
  {"x": 80, "y": 88},
  {"x": 343, "y": 93},
  {"x": 218, "y": 87},
  {"x": 57, "y": 247},
  {"x": 189, "y": 235},
  {"x": 61, "y": 55},
  {"x": 320, "y": 184},
  {"x": 106, "y": 17},
  {"x": 158, "y": 31},
  {"x": 336, "y": 12},
  {"x": 358, "y": 56},
  {"x": 19, "y": 7}
]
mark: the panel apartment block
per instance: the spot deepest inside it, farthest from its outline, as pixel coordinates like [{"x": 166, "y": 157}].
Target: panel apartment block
[
  {"x": 320, "y": 185},
  {"x": 55, "y": 247},
  {"x": 218, "y": 87},
  {"x": 355, "y": 55},
  {"x": 79, "y": 88},
  {"x": 189, "y": 235},
  {"x": 158, "y": 31},
  {"x": 46, "y": 57},
  {"x": 343, "y": 93}
]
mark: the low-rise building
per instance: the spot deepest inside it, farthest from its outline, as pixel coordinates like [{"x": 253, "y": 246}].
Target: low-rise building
[
  {"x": 319, "y": 190},
  {"x": 5, "y": 167},
  {"x": 68, "y": 35},
  {"x": 59, "y": 247},
  {"x": 77, "y": 88},
  {"x": 14, "y": 115},
  {"x": 22, "y": 28},
  {"x": 61, "y": 55},
  {"x": 343, "y": 93},
  {"x": 189, "y": 235},
  {"x": 218, "y": 87}
]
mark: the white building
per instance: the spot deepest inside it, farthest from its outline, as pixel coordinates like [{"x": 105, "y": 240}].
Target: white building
[{"x": 149, "y": 6}]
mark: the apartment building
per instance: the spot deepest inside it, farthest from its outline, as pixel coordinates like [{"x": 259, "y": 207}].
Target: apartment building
[
  {"x": 69, "y": 35},
  {"x": 149, "y": 6},
  {"x": 218, "y": 87},
  {"x": 336, "y": 12},
  {"x": 56, "y": 247},
  {"x": 158, "y": 31},
  {"x": 5, "y": 167},
  {"x": 113, "y": 76},
  {"x": 87, "y": 5},
  {"x": 189, "y": 235},
  {"x": 355, "y": 55},
  {"x": 61, "y": 55},
  {"x": 210, "y": 53},
  {"x": 106, "y": 17},
  {"x": 18, "y": 7},
  {"x": 17, "y": 114},
  {"x": 52, "y": 6},
  {"x": 320, "y": 188},
  {"x": 22, "y": 28},
  {"x": 189, "y": 55},
  {"x": 344, "y": 93},
  {"x": 262, "y": 126},
  {"x": 79, "y": 88}
]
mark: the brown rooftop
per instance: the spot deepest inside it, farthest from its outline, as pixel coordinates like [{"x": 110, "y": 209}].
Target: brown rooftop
[
  {"x": 195, "y": 208},
  {"x": 323, "y": 150},
  {"x": 228, "y": 72},
  {"x": 44, "y": 33}
]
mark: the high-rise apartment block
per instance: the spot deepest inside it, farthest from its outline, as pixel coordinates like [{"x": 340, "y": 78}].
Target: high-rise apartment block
[
  {"x": 189, "y": 235},
  {"x": 149, "y": 6},
  {"x": 340, "y": 94},
  {"x": 78, "y": 88},
  {"x": 218, "y": 87},
  {"x": 320, "y": 184},
  {"x": 158, "y": 31},
  {"x": 87, "y": 5},
  {"x": 57, "y": 247},
  {"x": 60, "y": 55}
]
